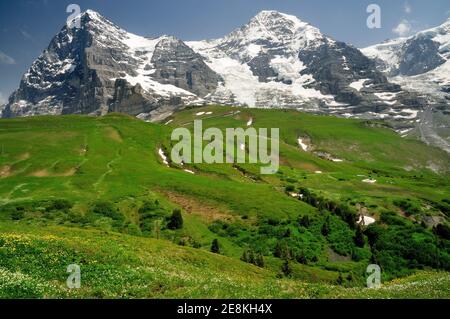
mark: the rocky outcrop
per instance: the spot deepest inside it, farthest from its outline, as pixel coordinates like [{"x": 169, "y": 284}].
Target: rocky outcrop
[
  {"x": 336, "y": 65},
  {"x": 177, "y": 64},
  {"x": 420, "y": 55}
]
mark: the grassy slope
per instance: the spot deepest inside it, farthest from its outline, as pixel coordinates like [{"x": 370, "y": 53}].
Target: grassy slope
[
  {"x": 115, "y": 158},
  {"x": 121, "y": 266}
]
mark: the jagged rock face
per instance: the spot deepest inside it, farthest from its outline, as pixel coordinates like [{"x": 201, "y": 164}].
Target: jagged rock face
[
  {"x": 260, "y": 67},
  {"x": 77, "y": 73},
  {"x": 177, "y": 64},
  {"x": 420, "y": 55},
  {"x": 71, "y": 76},
  {"x": 336, "y": 65},
  {"x": 130, "y": 99}
]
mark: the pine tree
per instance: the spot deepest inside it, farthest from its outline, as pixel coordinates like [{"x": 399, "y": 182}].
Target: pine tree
[
  {"x": 176, "y": 220},
  {"x": 359, "y": 237},
  {"x": 260, "y": 261},
  {"x": 282, "y": 250},
  {"x": 340, "y": 280},
  {"x": 244, "y": 256},
  {"x": 326, "y": 227},
  {"x": 286, "y": 268},
  {"x": 251, "y": 257},
  {"x": 215, "y": 248},
  {"x": 278, "y": 252},
  {"x": 305, "y": 221},
  {"x": 301, "y": 258},
  {"x": 287, "y": 233},
  {"x": 349, "y": 277}
]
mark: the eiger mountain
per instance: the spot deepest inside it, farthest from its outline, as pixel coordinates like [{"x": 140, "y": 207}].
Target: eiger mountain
[{"x": 275, "y": 60}]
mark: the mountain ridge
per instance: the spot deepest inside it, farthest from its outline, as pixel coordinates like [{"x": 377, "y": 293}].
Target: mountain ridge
[
  {"x": 421, "y": 63},
  {"x": 274, "y": 61},
  {"x": 106, "y": 68}
]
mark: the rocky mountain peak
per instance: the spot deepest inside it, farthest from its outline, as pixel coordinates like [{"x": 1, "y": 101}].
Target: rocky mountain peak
[
  {"x": 91, "y": 18},
  {"x": 418, "y": 54},
  {"x": 274, "y": 19},
  {"x": 276, "y": 27},
  {"x": 270, "y": 33}
]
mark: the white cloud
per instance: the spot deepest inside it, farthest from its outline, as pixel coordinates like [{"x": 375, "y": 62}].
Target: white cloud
[
  {"x": 25, "y": 34},
  {"x": 6, "y": 59},
  {"x": 407, "y": 8},
  {"x": 403, "y": 28}
]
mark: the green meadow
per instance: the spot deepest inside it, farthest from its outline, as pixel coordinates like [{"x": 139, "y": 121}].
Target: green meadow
[{"x": 94, "y": 191}]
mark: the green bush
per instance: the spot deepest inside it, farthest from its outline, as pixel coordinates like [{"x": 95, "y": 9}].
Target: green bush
[
  {"x": 59, "y": 204},
  {"x": 215, "y": 247},
  {"x": 106, "y": 209},
  {"x": 17, "y": 215},
  {"x": 442, "y": 230},
  {"x": 176, "y": 220},
  {"x": 399, "y": 249},
  {"x": 392, "y": 218},
  {"x": 290, "y": 188},
  {"x": 408, "y": 206},
  {"x": 149, "y": 213}
]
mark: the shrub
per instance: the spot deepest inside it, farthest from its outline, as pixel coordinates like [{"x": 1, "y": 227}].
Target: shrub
[
  {"x": 392, "y": 218},
  {"x": 301, "y": 258},
  {"x": 215, "y": 248},
  {"x": 150, "y": 213},
  {"x": 325, "y": 228},
  {"x": 286, "y": 268},
  {"x": 304, "y": 221},
  {"x": 340, "y": 280},
  {"x": 59, "y": 204},
  {"x": 107, "y": 209},
  {"x": 359, "y": 237},
  {"x": 17, "y": 215},
  {"x": 290, "y": 188},
  {"x": 133, "y": 229},
  {"x": 282, "y": 250},
  {"x": 442, "y": 230},
  {"x": 176, "y": 220},
  {"x": 259, "y": 261},
  {"x": 249, "y": 256},
  {"x": 399, "y": 249},
  {"x": 408, "y": 206}
]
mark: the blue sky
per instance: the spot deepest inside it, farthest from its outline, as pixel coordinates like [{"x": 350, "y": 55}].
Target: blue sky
[{"x": 27, "y": 26}]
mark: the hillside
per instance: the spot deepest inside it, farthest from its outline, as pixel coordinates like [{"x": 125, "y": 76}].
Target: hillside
[
  {"x": 95, "y": 191},
  {"x": 122, "y": 266}
]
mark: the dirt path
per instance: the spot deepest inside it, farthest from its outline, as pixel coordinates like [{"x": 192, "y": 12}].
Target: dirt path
[{"x": 110, "y": 169}]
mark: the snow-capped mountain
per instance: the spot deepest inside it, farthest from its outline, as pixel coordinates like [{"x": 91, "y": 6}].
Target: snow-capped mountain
[
  {"x": 418, "y": 54},
  {"x": 421, "y": 61},
  {"x": 100, "y": 68},
  {"x": 421, "y": 64},
  {"x": 275, "y": 60}
]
